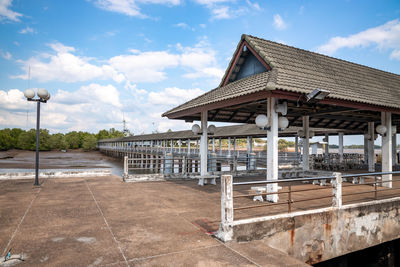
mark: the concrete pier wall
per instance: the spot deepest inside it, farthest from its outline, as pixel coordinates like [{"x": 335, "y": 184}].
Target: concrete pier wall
[
  {"x": 318, "y": 235},
  {"x": 54, "y": 174}
]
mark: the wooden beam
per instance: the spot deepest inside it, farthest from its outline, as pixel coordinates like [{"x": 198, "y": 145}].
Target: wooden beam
[
  {"x": 221, "y": 104},
  {"x": 318, "y": 122},
  {"x": 233, "y": 115},
  {"x": 341, "y": 123},
  {"x": 249, "y": 117},
  {"x": 294, "y": 119},
  {"x": 328, "y": 123},
  {"x": 214, "y": 115},
  {"x": 345, "y": 118}
]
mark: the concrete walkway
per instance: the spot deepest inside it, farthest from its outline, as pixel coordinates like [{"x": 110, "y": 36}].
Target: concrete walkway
[{"x": 105, "y": 222}]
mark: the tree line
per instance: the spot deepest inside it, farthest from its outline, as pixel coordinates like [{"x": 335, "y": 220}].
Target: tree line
[{"x": 20, "y": 139}]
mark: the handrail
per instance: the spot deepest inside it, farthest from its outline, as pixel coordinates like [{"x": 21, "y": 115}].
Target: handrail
[
  {"x": 285, "y": 180},
  {"x": 313, "y": 178}
]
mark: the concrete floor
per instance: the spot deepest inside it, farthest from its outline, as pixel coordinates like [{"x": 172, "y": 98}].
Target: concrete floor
[{"x": 105, "y": 222}]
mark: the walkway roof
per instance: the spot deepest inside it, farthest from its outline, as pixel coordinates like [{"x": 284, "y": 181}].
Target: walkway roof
[
  {"x": 239, "y": 131},
  {"x": 357, "y": 93}
]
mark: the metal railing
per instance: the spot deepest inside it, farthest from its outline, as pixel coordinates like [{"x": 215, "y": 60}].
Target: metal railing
[
  {"x": 171, "y": 163},
  {"x": 165, "y": 164},
  {"x": 313, "y": 191}
]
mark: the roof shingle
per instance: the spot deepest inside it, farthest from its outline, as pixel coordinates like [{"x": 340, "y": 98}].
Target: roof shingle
[{"x": 302, "y": 71}]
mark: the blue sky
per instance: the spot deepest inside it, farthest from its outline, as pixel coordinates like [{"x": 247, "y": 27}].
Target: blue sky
[{"x": 105, "y": 59}]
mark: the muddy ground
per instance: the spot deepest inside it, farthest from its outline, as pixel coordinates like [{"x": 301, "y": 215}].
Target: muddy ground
[{"x": 72, "y": 159}]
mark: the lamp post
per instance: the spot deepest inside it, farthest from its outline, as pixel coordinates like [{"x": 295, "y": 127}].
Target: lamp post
[{"x": 43, "y": 95}]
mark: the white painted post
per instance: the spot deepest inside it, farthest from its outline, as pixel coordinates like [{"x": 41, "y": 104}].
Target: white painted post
[
  {"x": 248, "y": 144},
  {"x": 386, "y": 118},
  {"x": 306, "y": 142},
  {"x": 394, "y": 149},
  {"x": 220, "y": 146},
  {"x": 251, "y": 144},
  {"x": 125, "y": 167},
  {"x": 272, "y": 150},
  {"x": 172, "y": 145},
  {"x": 234, "y": 145},
  {"x": 337, "y": 190},
  {"x": 229, "y": 146},
  {"x": 371, "y": 147},
  {"x": 327, "y": 148},
  {"x": 225, "y": 231},
  {"x": 180, "y": 145},
  {"x": 341, "y": 147},
  {"x": 203, "y": 144},
  {"x": 213, "y": 145},
  {"x": 188, "y": 146},
  {"x": 366, "y": 148}
]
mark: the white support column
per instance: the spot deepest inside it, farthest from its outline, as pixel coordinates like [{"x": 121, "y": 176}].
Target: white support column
[
  {"x": 180, "y": 145},
  {"x": 371, "y": 147},
  {"x": 366, "y": 148},
  {"x": 272, "y": 150},
  {"x": 394, "y": 149},
  {"x": 220, "y": 146},
  {"x": 386, "y": 118},
  {"x": 234, "y": 145},
  {"x": 229, "y": 146},
  {"x": 341, "y": 147},
  {"x": 251, "y": 144},
  {"x": 188, "y": 146},
  {"x": 213, "y": 145},
  {"x": 306, "y": 143},
  {"x": 172, "y": 145},
  {"x": 327, "y": 148},
  {"x": 203, "y": 144},
  {"x": 248, "y": 144}
]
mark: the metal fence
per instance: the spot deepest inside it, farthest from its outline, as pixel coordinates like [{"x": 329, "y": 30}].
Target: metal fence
[
  {"x": 312, "y": 192},
  {"x": 171, "y": 163}
]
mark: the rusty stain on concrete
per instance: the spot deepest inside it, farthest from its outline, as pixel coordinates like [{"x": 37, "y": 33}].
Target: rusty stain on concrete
[{"x": 323, "y": 234}]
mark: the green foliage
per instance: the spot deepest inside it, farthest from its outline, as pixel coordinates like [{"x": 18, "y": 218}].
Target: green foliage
[
  {"x": 112, "y": 133},
  {"x": 6, "y": 140},
  {"x": 89, "y": 143},
  {"x": 20, "y": 139},
  {"x": 283, "y": 145}
]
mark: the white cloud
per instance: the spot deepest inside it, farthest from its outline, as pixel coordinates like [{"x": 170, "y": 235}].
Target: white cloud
[
  {"x": 254, "y": 5},
  {"x": 183, "y": 26},
  {"x": 173, "y": 96},
  {"x": 279, "y": 23},
  {"x": 6, "y": 55},
  {"x": 211, "y": 2},
  {"x": 93, "y": 107},
  {"x": 395, "y": 54},
  {"x": 131, "y": 7},
  {"x": 62, "y": 65},
  {"x": 221, "y": 12},
  {"x": 27, "y": 30},
  {"x": 145, "y": 66},
  {"x": 228, "y": 9},
  {"x": 6, "y": 13},
  {"x": 12, "y": 100},
  {"x": 199, "y": 61},
  {"x": 386, "y": 36}
]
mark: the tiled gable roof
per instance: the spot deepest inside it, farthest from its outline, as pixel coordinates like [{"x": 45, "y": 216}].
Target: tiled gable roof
[{"x": 302, "y": 71}]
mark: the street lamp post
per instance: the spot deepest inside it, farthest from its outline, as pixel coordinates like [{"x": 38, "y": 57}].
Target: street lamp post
[{"x": 43, "y": 95}]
